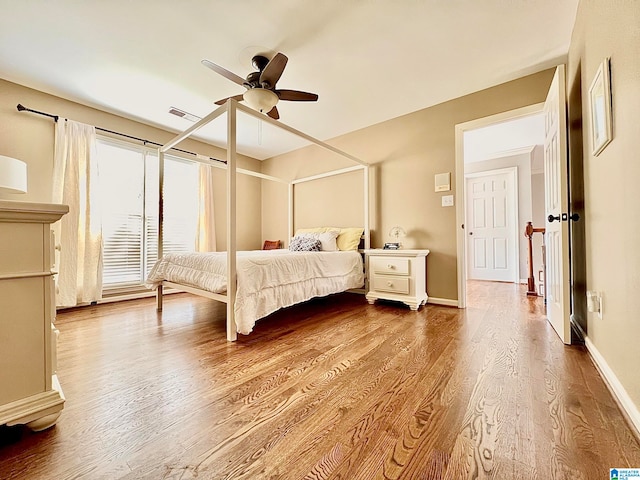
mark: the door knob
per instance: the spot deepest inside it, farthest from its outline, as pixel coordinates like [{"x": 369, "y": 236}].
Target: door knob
[{"x": 574, "y": 217}]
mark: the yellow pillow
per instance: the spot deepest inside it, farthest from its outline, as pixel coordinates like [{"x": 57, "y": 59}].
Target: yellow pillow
[{"x": 349, "y": 238}]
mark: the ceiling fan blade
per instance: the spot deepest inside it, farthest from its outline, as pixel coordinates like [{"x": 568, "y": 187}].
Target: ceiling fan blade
[
  {"x": 224, "y": 72},
  {"x": 273, "y": 113},
  {"x": 272, "y": 72},
  {"x": 296, "y": 96},
  {"x": 239, "y": 98}
]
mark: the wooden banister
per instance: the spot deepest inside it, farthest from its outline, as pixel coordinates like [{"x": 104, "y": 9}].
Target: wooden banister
[{"x": 531, "y": 281}]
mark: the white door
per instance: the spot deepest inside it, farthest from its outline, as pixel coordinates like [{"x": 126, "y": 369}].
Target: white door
[
  {"x": 492, "y": 225},
  {"x": 556, "y": 207}
]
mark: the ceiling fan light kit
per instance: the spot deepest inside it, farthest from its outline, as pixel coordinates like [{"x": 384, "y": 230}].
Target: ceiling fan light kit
[{"x": 260, "y": 99}]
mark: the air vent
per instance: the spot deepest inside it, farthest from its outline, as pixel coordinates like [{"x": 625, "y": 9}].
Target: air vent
[{"x": 182, "y": 114}]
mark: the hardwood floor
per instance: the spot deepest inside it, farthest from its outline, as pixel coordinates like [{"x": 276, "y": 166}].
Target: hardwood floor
[{"x": 332, "y": 389}]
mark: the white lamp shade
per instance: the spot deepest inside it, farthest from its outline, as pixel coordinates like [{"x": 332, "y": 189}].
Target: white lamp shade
[
  {"x": 13, "y": 175},
  {"x": 260, "y": 99}
]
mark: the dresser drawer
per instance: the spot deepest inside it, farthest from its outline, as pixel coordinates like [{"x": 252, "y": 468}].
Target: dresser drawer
[
  {"x": 389, "y": 265},
  {"x": 387, "y": 283},
  {"x": 21, "y": 248}
]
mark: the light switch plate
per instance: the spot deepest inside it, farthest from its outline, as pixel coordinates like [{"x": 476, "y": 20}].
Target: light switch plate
[{"x": 447, "y": 201}]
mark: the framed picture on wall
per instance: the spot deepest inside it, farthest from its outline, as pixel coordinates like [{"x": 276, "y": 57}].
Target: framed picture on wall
[{"x": 600, "y": 108}]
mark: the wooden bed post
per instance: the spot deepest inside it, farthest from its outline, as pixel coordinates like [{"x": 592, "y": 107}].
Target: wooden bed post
[
  {"x": 291, "y": 212},
  {"x": 232, "y": 334},
  {"x": 160, "y": 219},
  {"x": 367, "y": 236}
]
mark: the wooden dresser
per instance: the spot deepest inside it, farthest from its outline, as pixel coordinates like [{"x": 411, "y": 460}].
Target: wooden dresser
[
  {"x": 397, "y": 275},
  {"x": 29, "y": 390}
]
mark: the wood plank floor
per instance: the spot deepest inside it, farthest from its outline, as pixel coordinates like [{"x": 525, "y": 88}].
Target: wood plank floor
[{"x": 332, "y": 389}]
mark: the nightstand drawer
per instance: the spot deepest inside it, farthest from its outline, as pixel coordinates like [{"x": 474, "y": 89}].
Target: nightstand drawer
[
  {"x": 389, "y": 265},
  {"x": 390, "y": 284}
]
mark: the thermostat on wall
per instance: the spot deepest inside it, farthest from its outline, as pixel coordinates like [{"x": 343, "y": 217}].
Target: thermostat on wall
[{"x": 443, "y": 182}]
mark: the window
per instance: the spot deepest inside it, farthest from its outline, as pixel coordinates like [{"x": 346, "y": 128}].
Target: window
[{"x": 129, "y": 191}]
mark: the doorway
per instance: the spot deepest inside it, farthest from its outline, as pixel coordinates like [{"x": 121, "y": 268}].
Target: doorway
[
  {"x": 473, "y": 161},
  {"x": 491, "y": 225}
]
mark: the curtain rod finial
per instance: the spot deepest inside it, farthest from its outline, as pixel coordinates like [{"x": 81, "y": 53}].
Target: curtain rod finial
[{"x": 21, "y": 107}]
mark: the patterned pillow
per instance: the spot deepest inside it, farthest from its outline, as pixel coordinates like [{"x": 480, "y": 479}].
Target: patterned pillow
[{"x": 305, "y": 244}]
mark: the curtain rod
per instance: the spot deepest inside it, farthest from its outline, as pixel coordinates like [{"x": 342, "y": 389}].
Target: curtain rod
[{"x": 22, "y": 108}]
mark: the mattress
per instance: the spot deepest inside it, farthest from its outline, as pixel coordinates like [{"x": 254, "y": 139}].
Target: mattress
[{"x": 266, "y": 280}]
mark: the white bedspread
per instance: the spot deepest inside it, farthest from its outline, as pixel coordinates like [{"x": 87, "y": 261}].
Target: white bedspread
[{"x": 267, "y": 279}]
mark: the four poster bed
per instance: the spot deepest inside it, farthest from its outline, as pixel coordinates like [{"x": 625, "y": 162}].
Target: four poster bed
[{"x": 257, "y": 283}]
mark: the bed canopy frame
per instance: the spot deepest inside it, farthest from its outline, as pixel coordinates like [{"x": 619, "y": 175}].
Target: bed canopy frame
[{"x": 230, "y": 108}]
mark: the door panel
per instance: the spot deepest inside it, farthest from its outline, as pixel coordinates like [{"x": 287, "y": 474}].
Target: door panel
[
  {"x": 499, "y": 212},
  {"x": 491, "y": 232},
  {"x": 479, "y": 252},
  {"x": 556, "y": 203},
  {"x": 500, "y": 253},
  {"x": 479, "y": 213}
]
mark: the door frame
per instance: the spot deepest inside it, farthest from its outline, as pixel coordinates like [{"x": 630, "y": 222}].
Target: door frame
[
  {"x": 460, "y": 128},
  {"x": 513, "y": 171}
]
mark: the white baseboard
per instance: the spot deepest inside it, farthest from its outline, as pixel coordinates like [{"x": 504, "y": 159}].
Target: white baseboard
[
  {"x": 125, "y": 296},
  {"x": 447, "y": 302},
  {"x": 615, "y": 386}
]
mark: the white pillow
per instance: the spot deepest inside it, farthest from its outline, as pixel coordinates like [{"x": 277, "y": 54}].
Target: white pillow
[{"x": 327, "y": 239}]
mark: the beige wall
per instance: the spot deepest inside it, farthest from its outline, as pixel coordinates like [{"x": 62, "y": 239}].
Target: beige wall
[
  {"x": 611, "y": 180},
  {"x": 406, "y": 152},
  {"x": 317, "y": 201},
  {"x": 29, "y": 137}
]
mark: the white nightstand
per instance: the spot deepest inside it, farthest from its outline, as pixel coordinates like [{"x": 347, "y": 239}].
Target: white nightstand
[{"x": 397, "y": 275}]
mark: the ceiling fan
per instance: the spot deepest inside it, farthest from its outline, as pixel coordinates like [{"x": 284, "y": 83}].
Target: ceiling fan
[{"x": 261, "y": 93}]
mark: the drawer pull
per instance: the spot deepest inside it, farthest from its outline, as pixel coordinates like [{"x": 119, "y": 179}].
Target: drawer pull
[
  {"x": 394, "y": 266},
  {"x": 386, "y": 283}
]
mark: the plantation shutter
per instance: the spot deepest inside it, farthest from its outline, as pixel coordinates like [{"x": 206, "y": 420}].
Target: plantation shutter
[
  {"x": 129, "y": 185},
  {"x": 180, "y": 208},
  {"x": 121, "y": 172}
]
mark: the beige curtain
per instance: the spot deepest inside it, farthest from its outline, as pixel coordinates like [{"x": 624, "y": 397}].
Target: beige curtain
[
  {"x": 206, "y": 237},
  {"x": 79, "y": 233}
]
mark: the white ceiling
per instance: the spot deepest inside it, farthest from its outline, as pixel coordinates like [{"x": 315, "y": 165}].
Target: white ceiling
[
  {"x": 368, "y": 60},
  {"x": 501, "y": 138}
]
